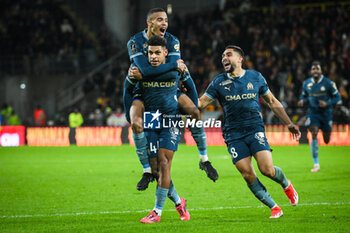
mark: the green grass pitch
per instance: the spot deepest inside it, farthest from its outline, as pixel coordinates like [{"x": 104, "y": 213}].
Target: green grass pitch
[{"x": 93, "y": 189}]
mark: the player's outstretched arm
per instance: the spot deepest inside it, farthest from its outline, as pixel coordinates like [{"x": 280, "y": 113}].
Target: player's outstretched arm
[
  {"x": 137, "y": 57},
  {"x": 204, "y": 101},
  {"x": 278, "y": 109},
  {"x": 148, "y": 70}
]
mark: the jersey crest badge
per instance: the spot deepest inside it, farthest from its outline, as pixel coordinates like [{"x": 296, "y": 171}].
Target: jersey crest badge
[
  {"x": 260, "y": 136},
  {"x": 133, "y": 48},
  {"x": 174, "y": 133},
  {"x": 323, "y": 88},
  {"x": 250, "y": 86}
]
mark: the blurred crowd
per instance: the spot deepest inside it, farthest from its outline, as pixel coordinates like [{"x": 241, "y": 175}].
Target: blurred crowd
[
  {"x": 279, "y": 41},
  {"x": 42, "y": 36}
]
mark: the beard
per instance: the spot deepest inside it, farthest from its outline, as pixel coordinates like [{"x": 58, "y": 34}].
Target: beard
[
  {"x": 231, "y": 69},
  {"x": 316, "y": 75}
]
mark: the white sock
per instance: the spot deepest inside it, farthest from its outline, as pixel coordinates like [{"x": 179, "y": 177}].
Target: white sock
[
  {"x": 147, "y": 170},
  {"x": 158, "y": 211},
  {"x": 178, "y": 202},
  {"x": 203, "y": 158}
]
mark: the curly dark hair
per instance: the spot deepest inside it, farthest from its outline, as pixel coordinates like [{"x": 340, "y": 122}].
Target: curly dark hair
[{"x": 157, "y": 41}]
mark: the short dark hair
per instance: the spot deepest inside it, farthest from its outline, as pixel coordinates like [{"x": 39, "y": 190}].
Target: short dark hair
[
  {"x": 237, "y": 49},
  {"x": 316, "y": 63},
  {"x": 152, "y": 11},
  {"x": 157, "y": 41}
]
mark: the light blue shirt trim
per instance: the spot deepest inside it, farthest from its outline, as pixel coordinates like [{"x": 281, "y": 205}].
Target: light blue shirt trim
[
  {"x": 130, "y": 81},
  {"x": 135, "y": 55},
  {"x": 266, "y": 92},
  {"x": 236, "y": 77},
  {"x": 211, "y": 97},
  {"x": 312, "y": 79},
  {"x": 144, "y": 34},
  {"x": 174, "y": 53},
  {"x": 184, "y": 78}
]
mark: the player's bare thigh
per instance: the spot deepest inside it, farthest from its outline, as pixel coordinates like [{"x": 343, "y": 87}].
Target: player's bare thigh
[
  {"x": 265, "y": 164},
  {"x": 245, "y": 167},
  {"x": 136, "y": 116},
  {"x": 186, "y": 106}
]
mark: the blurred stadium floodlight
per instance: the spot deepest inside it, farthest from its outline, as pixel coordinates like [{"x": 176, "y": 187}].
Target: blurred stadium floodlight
[{"x": 169, "y": 9}]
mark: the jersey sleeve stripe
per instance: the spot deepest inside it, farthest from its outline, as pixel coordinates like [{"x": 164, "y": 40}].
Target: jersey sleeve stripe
[
  {"x": 135, "y": 55},
  {"x": 184, "y": 78},
  {"x": 207, "y": 94},
  {"x": 266, "y": 92},
  {"x": 335, "y": 92},
  {"x": 130, "y": 81},
  {"x": 174, "y": 54}
]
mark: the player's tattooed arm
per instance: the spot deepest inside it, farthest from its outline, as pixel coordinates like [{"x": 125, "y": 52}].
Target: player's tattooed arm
[
  {"x": 181, "y": 66},
  {"x": 204, "y": 101}
]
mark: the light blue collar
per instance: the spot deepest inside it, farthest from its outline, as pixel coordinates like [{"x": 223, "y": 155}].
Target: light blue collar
[
  {"x": 144, "y": 34},
  {"x": 312, "y": 79},
  {"x": 236, "y": 77}
]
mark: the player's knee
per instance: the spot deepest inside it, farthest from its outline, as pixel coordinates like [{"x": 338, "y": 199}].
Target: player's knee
[
  {"x": 268, "y": 171},
  {"x": 137, "y": 125},
  {"x": 196, "y": 114},
  {"x": 249, "y": 177},
  {"x": 163, "y": 164}
]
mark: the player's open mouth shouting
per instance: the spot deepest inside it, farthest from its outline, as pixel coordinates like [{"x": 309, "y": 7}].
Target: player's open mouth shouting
[
  {"x": 158, "y": 24},
  {"x": 227, "y": 65},
  {"x": 162, "y": 31}
]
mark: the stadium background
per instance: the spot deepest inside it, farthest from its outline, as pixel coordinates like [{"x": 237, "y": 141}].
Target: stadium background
[{"x": 61, "y": 55}]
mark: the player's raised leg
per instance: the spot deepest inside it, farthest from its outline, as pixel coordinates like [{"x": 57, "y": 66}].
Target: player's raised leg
[
  {"x": 314, "y": 148},
  {"x": 136, "y": 113},
  {"x": 245, "y": 167},
  {"x": 138, "y": 135},
  {"x": 188, "y": 107},
  {"x": 265, "y": 165}
]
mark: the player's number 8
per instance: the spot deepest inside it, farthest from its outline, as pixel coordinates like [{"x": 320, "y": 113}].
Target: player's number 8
[{"x": 234, "y": 154}]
